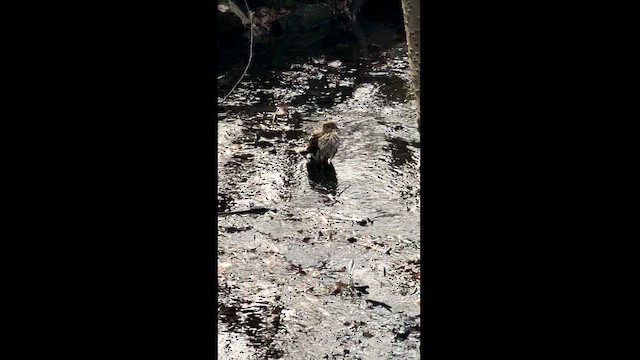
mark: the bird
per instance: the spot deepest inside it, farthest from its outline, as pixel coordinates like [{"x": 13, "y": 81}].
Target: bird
[{"x": 323, "y": 143}]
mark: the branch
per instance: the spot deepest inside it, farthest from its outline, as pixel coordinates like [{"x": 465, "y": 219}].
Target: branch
[
  {"x": 250, "y": 20},
  {"x": 259, "y": 210}
]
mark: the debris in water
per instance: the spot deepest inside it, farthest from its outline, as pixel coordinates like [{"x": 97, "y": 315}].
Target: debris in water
[
  {"x": 364, "y": 222},
  {"x": 297, "y": 268},
  {"x": 340, "y": 287},
  {"x": 378, "y": 303},
  {"x": 257, "y": 210},
  {"x": 222, "y": 266}
]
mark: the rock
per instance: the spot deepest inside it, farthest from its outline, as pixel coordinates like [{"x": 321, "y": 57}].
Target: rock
[
  {"x": 277, "y": 4},
  {"x": 381, "y": 35},
  {"x": 292, "y": 40},
  {"x": 229, "y": 24},
  {"x": 307, "y": 17}
]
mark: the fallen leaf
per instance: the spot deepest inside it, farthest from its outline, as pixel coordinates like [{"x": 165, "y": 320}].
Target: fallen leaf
[{"x": 222, "y": 266}]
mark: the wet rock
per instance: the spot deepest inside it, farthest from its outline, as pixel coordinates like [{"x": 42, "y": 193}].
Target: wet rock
[
  {"x": 307, "y": 17},
  {"x": 229, "y": 24},
  {"x": 364, "y": 222},
  {"x": 233, "y": 229},
  {"x": 379, "y": 35},
  {"x": 293, "y": 43},
  {"x": 224, "y": 202}
]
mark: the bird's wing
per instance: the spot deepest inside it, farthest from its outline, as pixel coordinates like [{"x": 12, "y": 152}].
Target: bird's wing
[{"x": 313, "y": 144}]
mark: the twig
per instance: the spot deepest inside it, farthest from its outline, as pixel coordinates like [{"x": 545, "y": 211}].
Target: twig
[
  {"x": 259, "y": 210},
  {"x": 351, "y": 264},
  {"x": 250, "y": 53},
  {"x": 343, "y": 190}
]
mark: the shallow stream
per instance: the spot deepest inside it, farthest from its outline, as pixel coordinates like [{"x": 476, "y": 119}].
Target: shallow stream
[{"x": 327, "y": 263}]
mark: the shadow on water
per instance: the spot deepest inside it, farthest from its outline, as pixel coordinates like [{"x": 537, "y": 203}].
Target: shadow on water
[
  {"x": 260, "y": 322},
  {"x": 400, "y": 153},
  {"x": 322, "y": 178}
]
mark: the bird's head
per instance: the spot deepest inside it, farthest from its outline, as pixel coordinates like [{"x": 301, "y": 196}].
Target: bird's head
[{"x": 329, "y": 126}]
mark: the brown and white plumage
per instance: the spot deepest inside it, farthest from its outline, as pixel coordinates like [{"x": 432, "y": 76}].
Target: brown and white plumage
[{"x": 323, "y": 143}]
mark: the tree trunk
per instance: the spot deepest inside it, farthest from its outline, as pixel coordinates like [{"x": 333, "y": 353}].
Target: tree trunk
[{"x": 411, "y": 12}]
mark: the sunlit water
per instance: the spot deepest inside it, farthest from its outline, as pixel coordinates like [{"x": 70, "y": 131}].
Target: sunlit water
[{"x": 278, "y": 297}]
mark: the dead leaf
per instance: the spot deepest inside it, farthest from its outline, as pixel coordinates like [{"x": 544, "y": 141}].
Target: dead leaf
[{"x": 222, "y": 266}]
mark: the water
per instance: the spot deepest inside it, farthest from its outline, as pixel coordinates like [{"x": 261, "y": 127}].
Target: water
[{"x": 285, "y": 278}]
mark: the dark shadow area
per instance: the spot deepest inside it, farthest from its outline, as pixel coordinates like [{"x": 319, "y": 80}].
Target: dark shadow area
[
  {"x": 400, "y": 154},
  {"x": 322, "y": 177},
  {"x": 381, "y": 11},
  {"x": 294, "y": 38}
]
